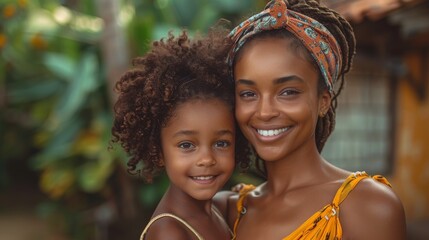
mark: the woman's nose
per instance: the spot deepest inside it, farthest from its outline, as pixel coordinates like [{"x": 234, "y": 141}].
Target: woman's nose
[{"x": 267, "y": 109}]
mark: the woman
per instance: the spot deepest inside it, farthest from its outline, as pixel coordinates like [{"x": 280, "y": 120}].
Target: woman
[{"x": 288, "y": 64}]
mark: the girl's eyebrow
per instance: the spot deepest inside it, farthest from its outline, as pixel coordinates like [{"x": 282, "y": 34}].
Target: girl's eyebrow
[
  {"x": 276, "y": 81},
  {"x": 225, "y": 132},
  {"x": 191, "y": 132},
  {"x": 185, "y": 132}
]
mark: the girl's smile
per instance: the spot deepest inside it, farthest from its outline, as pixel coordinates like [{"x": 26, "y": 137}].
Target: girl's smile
[{"x": 208, "y": 179}]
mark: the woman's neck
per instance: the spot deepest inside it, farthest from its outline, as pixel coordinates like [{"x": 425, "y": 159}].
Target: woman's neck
[{"x": 300, "y": 168}]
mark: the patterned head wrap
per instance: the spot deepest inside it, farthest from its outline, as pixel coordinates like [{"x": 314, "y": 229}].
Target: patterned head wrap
[{"x": 315, "y": 37}]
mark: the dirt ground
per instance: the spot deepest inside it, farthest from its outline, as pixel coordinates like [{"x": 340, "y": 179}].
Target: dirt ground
[
  {"x": 18, "y": 217},
  {"x": 20, "y": 220}
]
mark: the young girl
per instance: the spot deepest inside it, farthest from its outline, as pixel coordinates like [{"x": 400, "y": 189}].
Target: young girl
[
  {"x": 288, "y": 66},
  {"x": 175, "y": 112}
]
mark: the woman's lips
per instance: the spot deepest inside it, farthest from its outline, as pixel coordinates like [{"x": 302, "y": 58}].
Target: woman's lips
[{"x": 271, "y": 132}]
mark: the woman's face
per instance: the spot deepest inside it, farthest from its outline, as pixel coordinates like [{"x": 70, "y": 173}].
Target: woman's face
[{"x": 277, "y": 102}]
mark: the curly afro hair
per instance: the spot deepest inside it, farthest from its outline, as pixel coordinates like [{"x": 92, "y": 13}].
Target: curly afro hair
[{"x": 175, "y": 70}]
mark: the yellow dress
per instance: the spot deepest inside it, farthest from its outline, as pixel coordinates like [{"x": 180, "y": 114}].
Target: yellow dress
[{"x": 325, "y": 223}]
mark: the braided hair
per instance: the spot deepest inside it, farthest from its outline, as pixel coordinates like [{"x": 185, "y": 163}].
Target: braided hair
[
  {"x": 175, "y": 70},
  {"x": 343, "y": 33}
]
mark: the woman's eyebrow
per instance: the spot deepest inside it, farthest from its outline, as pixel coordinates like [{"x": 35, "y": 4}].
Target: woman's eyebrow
[
  {"x": 287, "y": 79},
  {"x": 245, "y": 82},
  {"x": 279, "y": 80}
]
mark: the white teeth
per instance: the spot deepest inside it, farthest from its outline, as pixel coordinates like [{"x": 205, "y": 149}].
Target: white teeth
[
  {"x": 203, "y": 177},
  {"x": 270, "y": 133}
]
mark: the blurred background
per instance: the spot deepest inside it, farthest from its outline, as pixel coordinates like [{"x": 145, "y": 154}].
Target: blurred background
[{"x": 59, "y": 60}]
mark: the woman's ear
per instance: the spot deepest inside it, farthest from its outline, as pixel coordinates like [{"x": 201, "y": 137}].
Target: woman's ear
[{"x": 324, "y": 103}]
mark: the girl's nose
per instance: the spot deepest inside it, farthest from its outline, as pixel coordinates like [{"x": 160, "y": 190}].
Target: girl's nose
[{"x": 206, "y": 159}]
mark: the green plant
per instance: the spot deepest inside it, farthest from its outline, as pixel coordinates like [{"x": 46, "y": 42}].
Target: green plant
[{"x": 56, "y": 102}]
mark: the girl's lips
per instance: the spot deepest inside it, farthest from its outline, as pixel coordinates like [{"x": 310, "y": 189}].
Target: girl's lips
[{"x": 207, "y": 179}]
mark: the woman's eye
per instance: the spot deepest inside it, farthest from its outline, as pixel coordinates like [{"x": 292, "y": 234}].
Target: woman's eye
[
  {"x": 247, "y": 94},
  {"x": 288, "y": 92},
  {"x": 222, "y": 144},
  {"x": 186, "y": 145}
]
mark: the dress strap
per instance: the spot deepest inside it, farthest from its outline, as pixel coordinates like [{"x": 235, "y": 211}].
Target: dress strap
[
  {"x": 219, "y": 215},
  {"x": 172, "y": 216},
  {"x": 241, "y": 209},
  {"x": 350, "y": 183}
]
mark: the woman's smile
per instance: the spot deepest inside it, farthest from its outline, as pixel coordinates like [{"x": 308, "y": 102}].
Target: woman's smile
[
  {"x": 271, "y": 132},
  {"x": 276, "y": 98}
]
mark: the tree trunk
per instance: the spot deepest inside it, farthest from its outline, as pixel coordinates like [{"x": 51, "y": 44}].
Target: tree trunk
[{"x": 116, "y": 57}]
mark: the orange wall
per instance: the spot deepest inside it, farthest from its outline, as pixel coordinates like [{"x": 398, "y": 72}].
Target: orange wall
[{"x": 410, "y": 176}]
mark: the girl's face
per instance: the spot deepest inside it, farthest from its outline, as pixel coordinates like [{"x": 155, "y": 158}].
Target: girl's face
[
  {"x": 277, "y": 102},
  {"x": 198, "y": 147}
]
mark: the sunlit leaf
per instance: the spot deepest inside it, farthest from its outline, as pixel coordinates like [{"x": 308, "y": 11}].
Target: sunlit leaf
[
  {"x": 205, "y": 17},
  {"x": 56, "y": 181},
  {"x": 92, "y": 175},
  {"x": 33, "y": 92},
  {"x": 161, "y": 31},
  {"x": 87, "y": 73},
  {"x": 88, "y": 143},
  {"x": 232, "y": 6},
  {"x": 140, "y": 30},
  {"x": 60, "y": 144},
  {"x": 185, "y": 11},
  {"x": 82, "y": 83},
  {"x": 60, "y": 65}
]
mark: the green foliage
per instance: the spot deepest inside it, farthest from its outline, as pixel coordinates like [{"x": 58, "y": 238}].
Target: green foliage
[{"x": 55, "y": 109}]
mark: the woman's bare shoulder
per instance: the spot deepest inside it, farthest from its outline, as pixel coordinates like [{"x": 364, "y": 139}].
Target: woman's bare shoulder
[
  {"x": 223, "y": 199},
  {"x": 373, "y": 211},
  {"x": 225, "y": 202},
  {"x": 168, "y": 228}
]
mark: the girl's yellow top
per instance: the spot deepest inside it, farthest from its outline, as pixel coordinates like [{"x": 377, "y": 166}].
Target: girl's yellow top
[{"x": 325, "y": 223}]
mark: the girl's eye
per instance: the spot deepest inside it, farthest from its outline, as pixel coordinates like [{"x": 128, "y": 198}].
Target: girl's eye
[
  {"x": 288, "y": 92},
  {"x": 247, "y": 94},
  {"x": 186, "y": 145},
  {"x": 222, "y": 144}
]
